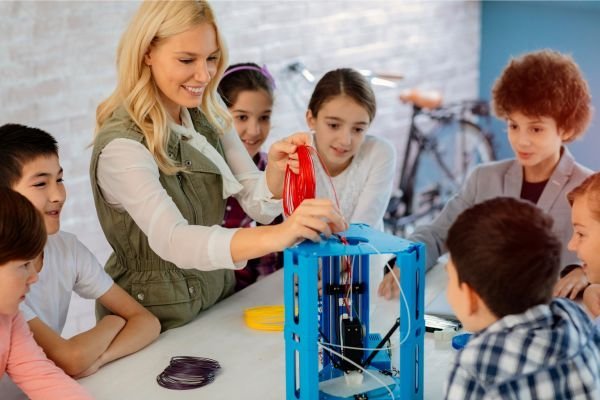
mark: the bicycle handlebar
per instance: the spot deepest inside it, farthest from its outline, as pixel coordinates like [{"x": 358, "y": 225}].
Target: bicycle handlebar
[{"x": 299, "y": 68}]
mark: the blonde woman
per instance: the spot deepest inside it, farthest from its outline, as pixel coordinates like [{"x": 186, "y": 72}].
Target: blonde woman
[{"x": 165, "y": 159}]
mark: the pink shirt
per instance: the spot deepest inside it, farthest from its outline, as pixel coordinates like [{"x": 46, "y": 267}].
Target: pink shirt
[{"x": 25, "y": 362}]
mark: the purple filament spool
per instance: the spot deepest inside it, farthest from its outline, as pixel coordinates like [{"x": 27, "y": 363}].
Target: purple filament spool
[{"x": 185, "y": 372}]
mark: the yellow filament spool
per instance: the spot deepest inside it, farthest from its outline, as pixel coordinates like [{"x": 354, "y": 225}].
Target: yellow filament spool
[{"x": 265, "y": 318}]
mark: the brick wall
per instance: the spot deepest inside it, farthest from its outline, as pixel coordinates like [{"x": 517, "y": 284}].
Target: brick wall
[{"x": 57, "y": 64}]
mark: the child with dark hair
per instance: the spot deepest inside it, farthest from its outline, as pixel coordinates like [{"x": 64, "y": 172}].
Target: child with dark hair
[
  {"x": 340, "y": 112},
  {"x": 546, "y": 103},
  {"x": 30, "y": 165},
  {"x": 247, "y": 91},
  {"x": 22, "y": 239},
  {"x": 585, "y": 214},
  {"x": 526, "y": 345}
]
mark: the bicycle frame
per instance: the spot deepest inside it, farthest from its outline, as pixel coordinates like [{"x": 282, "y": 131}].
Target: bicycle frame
[
  {"x": 416, "y": 144},
  {"x": 420, "y": 142}
]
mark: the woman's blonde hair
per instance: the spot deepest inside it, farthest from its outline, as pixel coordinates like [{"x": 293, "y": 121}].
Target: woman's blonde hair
[{"x": 137, "y": 92}]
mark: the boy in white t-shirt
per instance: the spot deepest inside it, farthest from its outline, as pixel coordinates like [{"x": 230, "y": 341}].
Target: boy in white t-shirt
[{"x": 30, "y": 166}]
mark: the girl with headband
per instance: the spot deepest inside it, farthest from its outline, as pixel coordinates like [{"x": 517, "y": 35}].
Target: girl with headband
[
  {"x": 247, "y": 91},
  {"x": 165, "y": 160}
]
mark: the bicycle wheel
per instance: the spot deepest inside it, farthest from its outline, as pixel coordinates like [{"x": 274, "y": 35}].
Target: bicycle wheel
[
  {"x": 461, "y": 146},
  {"x": 452, "y": 151}
]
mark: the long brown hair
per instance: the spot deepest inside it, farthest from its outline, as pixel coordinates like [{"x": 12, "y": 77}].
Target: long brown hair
[{"x": 343, "y": 81}]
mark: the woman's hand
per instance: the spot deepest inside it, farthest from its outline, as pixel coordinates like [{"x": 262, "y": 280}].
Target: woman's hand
[
  {"x": 591, "y": 299},
  {"x": 571, "y": 284},
  {"x": 312, "y": 218},
  {"x": 281, "y": 154}
]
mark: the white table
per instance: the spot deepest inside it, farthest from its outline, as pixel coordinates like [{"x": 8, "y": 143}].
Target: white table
[{"x": 253, "y": 362}]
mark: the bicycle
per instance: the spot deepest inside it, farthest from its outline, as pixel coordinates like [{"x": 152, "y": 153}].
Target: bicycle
[{"x": 437, "y": 159}]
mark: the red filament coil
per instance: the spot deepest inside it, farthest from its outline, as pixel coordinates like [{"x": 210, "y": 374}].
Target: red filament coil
[{"x": 297, "y": 187}]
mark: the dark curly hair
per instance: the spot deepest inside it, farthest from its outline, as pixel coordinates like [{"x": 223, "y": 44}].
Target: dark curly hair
[{"x": 545, "y": 83}]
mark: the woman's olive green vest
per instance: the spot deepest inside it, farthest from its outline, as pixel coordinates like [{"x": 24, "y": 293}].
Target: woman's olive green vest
[{"x": 173, "y": 294}]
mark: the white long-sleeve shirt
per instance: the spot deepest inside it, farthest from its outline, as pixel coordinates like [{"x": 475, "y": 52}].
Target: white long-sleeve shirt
[
  {"x": 128, "y": 177},
  {"x": 365, "y": 186}
]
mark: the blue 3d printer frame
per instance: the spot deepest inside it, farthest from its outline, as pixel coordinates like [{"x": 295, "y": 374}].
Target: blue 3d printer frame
[{"x": 306, "y": 319}]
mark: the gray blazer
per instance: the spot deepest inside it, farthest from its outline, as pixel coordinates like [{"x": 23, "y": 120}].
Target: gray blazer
[{"x": 505, "y": 178}]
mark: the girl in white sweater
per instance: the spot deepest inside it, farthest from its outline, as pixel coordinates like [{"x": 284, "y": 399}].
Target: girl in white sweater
[{"x": 340, "y": 111}]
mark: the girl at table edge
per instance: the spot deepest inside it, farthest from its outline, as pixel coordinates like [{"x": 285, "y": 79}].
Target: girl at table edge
[
  {"x": 22, "y": 239},
  {"x": 165, "y": 159},
  {"x": 247, "y": 91}
]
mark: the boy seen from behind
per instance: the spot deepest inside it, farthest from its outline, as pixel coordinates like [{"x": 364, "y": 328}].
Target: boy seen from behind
[
  {"x": 30, "y": 165},
  {"x": 504, "y": 263}
]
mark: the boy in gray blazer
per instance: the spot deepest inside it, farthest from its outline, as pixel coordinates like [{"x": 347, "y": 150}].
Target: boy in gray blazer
[{"x": 546, "y": 103}]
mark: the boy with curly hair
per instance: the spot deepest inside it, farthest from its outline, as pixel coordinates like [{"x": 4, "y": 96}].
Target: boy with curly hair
[
  {"x": 546, "y": 104},
  {"x": 526, "y": 345}
]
